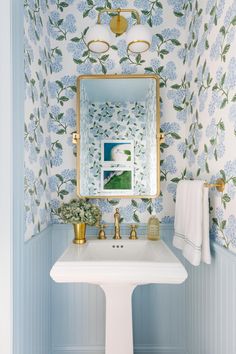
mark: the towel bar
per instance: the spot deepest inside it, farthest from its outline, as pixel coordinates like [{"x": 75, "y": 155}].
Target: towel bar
[{"x": 219, "y": 185}]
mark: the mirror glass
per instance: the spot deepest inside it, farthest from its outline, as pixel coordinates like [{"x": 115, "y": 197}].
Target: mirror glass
[{"x": 118, "y": 125}]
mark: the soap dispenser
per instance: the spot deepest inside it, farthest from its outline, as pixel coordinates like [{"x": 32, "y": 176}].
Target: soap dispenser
[{"x": 153, "y": 228}]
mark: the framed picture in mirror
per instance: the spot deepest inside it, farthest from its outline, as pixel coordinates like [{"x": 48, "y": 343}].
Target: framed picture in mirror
[
  {"x": 120, "y": 152},
  {"x": 117, "y": 180}
]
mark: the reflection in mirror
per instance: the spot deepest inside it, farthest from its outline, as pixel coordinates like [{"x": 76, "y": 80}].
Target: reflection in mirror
[{"x": 118, "y": 126}]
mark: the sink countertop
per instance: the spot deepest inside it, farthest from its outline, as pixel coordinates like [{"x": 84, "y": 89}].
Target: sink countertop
[{"x": 119, "y": 261}]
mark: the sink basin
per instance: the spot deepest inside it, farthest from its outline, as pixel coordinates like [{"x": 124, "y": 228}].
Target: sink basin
[
  {"x": 118, "y": 266},
  {"x": 119, "y": 261}
]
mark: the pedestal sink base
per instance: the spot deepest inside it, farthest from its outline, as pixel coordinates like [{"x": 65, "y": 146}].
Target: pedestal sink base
[
  {"x": 118, "y": 266},
  {"x": 119, "y": 327}
]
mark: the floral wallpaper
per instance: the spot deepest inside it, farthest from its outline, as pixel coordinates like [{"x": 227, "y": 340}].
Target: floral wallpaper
[
  {"x": 114, "y": 121},
  {"x": 193, "y": 53},
  {"x": 105, "y": 120},
  {"x": 208, "y": 147},
  {"x": 38, "y": 148}
]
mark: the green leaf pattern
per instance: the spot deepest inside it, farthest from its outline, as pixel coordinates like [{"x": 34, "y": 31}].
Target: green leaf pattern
[{"x": 193, "y": 53}]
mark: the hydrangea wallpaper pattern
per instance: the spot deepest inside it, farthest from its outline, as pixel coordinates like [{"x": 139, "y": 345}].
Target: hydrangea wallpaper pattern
[
  {"x": 100, "y": 125},
  {"x": 210, "y": 139},
  {"x": 192, "y": 51},
  {"x": 118, "y": 120}
]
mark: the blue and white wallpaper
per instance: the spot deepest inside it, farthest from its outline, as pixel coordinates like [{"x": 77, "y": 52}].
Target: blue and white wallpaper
[
  {"x": 112, "y": 120},
  {"x": 193, "y": 53},
  {"x": 211, "y": 135}
]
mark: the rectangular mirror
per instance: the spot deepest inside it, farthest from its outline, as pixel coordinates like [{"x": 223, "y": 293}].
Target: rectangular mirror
[{"x": 118, "y": 136}]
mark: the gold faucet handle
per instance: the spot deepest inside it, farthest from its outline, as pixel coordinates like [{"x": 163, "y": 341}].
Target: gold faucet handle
[
  {"x": 133, "y": 232},
  {"x": 102, "y": 234}
]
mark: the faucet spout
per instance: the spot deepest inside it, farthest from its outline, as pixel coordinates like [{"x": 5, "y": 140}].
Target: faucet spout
[{"x": 117, "y": 235}]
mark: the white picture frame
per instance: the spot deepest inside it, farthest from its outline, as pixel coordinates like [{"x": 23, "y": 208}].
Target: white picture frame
[
  {"x": 114, "y": 152},
  {"x": 112, "y": 182}
]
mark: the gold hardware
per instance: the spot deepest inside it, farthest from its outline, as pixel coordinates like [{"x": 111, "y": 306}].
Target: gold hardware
[
  {"x": 219, "y": 185},
  {"x": 159, "y": 135},
  {"x": 101, "y": 234},
  {"x": 118, "y": 23},
  {"x": 138, "y": 41},
  {"x": 79, "y": 230},
  {"x": 117, "y": 225},
  {"x": 135, "y": 12},
  {"x": 133, "y": 232},
  {"x": 75, "y": 138},
  {"x": 99, "y": 41},
  {"x": 153, "y": 228}
]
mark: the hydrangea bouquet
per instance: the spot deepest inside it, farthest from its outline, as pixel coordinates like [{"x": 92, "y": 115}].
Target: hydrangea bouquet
[{"x": 79, "y": 211}]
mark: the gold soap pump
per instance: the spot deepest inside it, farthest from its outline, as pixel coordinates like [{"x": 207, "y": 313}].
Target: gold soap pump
[{"x": 153, "y": 229}]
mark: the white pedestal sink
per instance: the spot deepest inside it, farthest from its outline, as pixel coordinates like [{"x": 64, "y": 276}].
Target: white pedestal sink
[{"x": 118, "y": 266}]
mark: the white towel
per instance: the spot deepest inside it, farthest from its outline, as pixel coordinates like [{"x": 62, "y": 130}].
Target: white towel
[{"x": 192, "y": 221}]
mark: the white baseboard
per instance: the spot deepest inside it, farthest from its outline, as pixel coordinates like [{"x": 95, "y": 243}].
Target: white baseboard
[{"x": 137, "y": 350}]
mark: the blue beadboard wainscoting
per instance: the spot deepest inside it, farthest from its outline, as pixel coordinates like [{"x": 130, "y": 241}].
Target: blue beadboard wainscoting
[
  {"x": 211, "y": 305},
  {"x": 32, "y": 296},
  {"x": 197, "y": 317},
  {"x": 78, "y": 311}
]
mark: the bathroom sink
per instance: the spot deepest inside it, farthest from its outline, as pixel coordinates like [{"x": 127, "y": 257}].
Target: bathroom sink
[
  {"x": 119, "y": 261},
  {"x": 118, "y": 266}
]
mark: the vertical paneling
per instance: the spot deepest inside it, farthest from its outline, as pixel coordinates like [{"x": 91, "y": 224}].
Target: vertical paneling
[
  {"x": 6, "y": 161},
  {"x": 78, "y": 312},
  {"x": 31, "y": 260},
  {"x": 197, "y": 317},
  {"x": 210, "y": 303},
  {"x": 32, "y": 313},
  {"x": 158, "y": 316},
  {"x": 37, "y": 294}
]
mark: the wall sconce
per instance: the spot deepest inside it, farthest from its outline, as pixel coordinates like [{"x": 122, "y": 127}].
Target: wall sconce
[{"x": 138, "y": 38}]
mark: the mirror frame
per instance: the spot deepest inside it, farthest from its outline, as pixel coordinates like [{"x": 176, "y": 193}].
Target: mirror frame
[{"x": 159, "y": 135}]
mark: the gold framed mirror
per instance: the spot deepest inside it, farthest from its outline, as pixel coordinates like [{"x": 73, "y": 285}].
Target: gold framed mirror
[{"x": 118, "y": 136}]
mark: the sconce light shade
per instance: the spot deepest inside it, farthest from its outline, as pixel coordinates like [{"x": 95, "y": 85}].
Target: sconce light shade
[
  {"x": 139, "y": 39},
  {"x": 98, "y": 38}
]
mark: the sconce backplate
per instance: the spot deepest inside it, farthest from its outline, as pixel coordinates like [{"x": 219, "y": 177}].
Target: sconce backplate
[{"x": 118, "y": 24}]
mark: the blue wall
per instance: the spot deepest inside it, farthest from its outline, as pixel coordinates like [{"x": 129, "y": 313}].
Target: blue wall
[
  {"x": 32, "y": 312},
  {"x": 31, "y": 260},
  {"x": 78, "y": 311},
  {"x": 211, "y": 305},
  {"x": 197, "y": 317}
]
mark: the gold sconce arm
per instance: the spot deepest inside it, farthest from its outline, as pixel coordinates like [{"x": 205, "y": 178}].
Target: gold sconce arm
[{"x": 118, "y": 11}]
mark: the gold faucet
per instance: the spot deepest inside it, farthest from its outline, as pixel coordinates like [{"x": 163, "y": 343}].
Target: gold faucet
[{"x": 117, "y": 225}]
